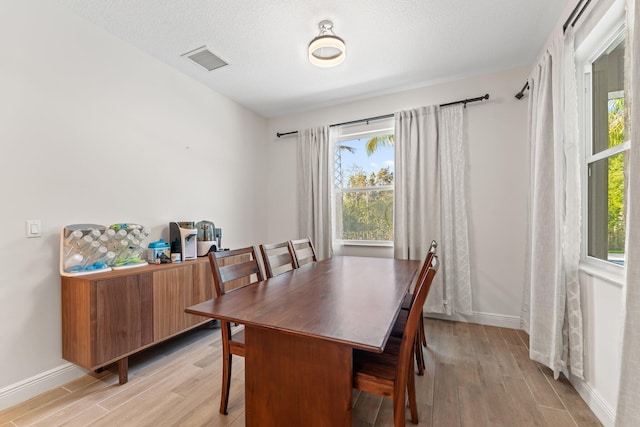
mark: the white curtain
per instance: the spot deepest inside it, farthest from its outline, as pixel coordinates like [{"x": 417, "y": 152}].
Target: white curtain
[
  {"x": 314, "y": 188},
  {"x": 455, "y": 232},
  {"x": 628, "y": 412},
  {"x": 430, "y": 160},
  {"x": 551, "y": 311}
]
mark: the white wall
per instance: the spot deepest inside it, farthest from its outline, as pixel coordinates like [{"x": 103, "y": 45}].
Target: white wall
[
  {"x": 93, "y": 130},
  {"x": 602, "y": 310},
  {"x": 496, "y": 135}
]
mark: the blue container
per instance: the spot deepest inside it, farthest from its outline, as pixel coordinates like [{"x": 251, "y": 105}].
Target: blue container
[{"x": 158, "y": 252}]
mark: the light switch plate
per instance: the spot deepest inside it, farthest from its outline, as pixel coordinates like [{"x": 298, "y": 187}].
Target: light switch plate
[{"x": 34, "y": 228}]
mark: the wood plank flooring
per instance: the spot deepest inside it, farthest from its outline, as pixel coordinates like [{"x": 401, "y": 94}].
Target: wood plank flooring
[{"x": 476, "y": 376}]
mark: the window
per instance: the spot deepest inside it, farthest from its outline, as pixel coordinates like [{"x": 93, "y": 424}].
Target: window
[
  {"x": 606, "y": 153},
  {"x": 363, "y": 187}
]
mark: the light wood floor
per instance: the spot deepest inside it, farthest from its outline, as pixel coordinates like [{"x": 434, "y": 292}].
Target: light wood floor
[{"x": 476, "y": 376}]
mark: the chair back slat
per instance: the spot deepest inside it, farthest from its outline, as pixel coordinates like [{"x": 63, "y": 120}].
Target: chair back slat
[
  {"x": 303, "y": 251},
  {"x": 236, "y": 271},
  {"x": 278, "y": 258},
  {"x": 228, "y": 267}
]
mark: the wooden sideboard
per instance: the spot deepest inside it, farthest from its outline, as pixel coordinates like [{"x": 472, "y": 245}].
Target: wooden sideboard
[{"x": 106, "y": 317}]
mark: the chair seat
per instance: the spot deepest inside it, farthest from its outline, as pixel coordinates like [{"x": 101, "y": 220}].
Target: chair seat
[{"x": 374, "y": 372}]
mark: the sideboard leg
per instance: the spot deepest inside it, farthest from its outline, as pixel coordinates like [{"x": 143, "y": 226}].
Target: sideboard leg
[{"x": 123, "y": 370}]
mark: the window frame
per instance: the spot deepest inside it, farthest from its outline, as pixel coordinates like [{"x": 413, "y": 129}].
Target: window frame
[
  {"x": 349, "y": 133},
  {"x": 611, "y": 27}
]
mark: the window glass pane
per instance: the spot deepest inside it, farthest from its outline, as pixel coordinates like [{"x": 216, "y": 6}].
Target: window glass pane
[
  {"x": 367, "y": 215},
  {"x": 607, "y": 207},
  {"x": 608, "y": 121},
  {"x": 615, "y": 118},
  {"x": 363, "y": 210},
  {"x": 365, "y": 155}
]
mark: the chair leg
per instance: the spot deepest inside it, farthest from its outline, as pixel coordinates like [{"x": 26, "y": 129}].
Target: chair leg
[
  {"x": 226, "y": 383},
  {"x": 423, "y": 336},
  {"x": 419, "y": 355},
  {"x": 399, "y": 404},
  {"x": 411, "y": 391}
]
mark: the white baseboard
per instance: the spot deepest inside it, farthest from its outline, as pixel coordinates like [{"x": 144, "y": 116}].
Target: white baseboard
[
  {"x": 40, "y": 383},
  {"x": 489, "y": 319},
  {"x": 605, "y": 413}
]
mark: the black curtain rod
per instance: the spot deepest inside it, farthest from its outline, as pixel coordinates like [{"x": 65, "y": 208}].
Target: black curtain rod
[
  {"x": 386, "y": 116},
  {"x": 576, "y": 13}
]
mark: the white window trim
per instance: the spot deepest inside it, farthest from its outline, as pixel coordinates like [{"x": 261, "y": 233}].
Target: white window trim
[
  {"x": 611, "y": 27},
  {"x": 359, "y": 131},
  {"x": 360, "y": 189},
  {"x": 609, "y": 152},
  {"x": 371, "y": 243}
]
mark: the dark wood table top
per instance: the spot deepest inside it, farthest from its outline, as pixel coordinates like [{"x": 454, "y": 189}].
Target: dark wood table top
[{"x": 350, "y": 300}]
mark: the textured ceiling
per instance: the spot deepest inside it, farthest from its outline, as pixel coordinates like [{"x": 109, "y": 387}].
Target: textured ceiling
[{"x": 391, "y": 44}]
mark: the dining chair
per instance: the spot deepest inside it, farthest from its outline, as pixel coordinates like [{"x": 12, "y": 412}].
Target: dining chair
[
  {"x": 278, "y": 258},
  {"x": 303, "y": 251},
  {"x": 232, "y": 270},
  {"x": 388, "y": 373},
  {"x": 401, "y": 321}
]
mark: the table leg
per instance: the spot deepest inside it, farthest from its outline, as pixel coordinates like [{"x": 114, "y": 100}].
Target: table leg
[{"x": 293, "y": 380}]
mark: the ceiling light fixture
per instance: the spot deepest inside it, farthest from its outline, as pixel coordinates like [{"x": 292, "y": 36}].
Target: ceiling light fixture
[{"x": 326, "y": 50}]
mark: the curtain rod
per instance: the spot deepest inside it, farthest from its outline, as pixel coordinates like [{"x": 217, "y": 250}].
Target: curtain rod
[
  {"x": 576, "y": 13},
  {"x": 386, "y": 116}
]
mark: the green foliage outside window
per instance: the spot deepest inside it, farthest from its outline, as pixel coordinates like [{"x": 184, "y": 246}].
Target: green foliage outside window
[
  {"x": 616, "y": 208},
  {"x": 367, "y": 213}
]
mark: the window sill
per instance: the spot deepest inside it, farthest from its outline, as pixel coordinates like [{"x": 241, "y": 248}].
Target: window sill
[
  {"x": 373, "y": 243},
  {"x": 607, "y": 273}
]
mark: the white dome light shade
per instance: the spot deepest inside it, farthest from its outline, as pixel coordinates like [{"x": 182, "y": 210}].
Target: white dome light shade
[{"x": 326, "y": 50}]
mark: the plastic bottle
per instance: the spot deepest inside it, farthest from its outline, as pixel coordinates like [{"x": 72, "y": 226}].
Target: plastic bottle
[
  {"x": 106, "y": 259},
  {"x": 97, "y": 254},
  {"x": 144, "y": 234},
  {"x": 78, "y": 246},
  {"x": 73, "y": 263},
  {"x": 75, "y": 235}
]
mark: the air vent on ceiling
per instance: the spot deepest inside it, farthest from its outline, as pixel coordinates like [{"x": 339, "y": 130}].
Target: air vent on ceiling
[{"x": 203, "y": 57}]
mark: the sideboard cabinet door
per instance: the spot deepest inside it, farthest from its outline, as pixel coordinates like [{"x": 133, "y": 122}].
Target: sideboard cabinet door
[
  {"x": 171, "y": 290},
  {"x": 123, "y": 316}
]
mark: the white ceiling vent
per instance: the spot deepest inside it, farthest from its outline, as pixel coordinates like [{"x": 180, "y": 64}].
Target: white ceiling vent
[{"x": 203, "y": 57}]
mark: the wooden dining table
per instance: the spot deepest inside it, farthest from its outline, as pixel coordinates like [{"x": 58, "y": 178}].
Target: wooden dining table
[{"x": 300, "y": 331}]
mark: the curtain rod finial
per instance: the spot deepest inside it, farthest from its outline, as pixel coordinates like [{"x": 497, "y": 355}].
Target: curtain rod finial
[{"x": 520, "y": 94}]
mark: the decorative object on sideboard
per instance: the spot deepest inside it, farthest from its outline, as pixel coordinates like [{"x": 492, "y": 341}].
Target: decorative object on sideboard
[
  {"x": 209, "y": 237},
  {"x": 159, "y": 252},
  {"x": 183, "y": 240},
  {"x": 94, "y": 248}
]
